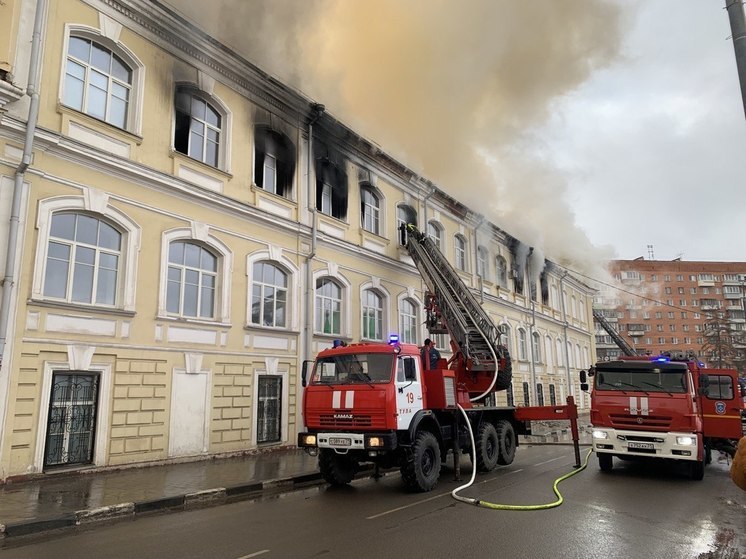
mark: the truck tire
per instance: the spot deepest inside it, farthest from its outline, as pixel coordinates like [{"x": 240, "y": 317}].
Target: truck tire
[
  {"x": 697, "y": 470},
  {"x": 487, "y": 448},
  {"x": 605, "y": 462},
  {"x": 421, "y": 472},
  {"x": 506, "y": 442},
  {"x": 336, "y": 469},
  {"x": 505, "y": 375}
]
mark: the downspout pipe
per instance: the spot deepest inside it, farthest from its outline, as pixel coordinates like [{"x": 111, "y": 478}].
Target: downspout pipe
[
  {"x": 532, "y": 329},
  {"x": 318, "y": 110},
  {"x": 32, "y": 90},
  {"x": 8, "y": 281},
  {"x": 570, "y": 390}
]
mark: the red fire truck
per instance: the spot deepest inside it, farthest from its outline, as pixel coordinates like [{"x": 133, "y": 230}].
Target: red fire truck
[
  {"x": 668, "y": 406},
  {"x": 381, "y": 403}
]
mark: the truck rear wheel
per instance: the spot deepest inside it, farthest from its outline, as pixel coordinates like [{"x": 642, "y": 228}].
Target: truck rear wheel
[
  {"x": 505, "y": 442},
  {"x": 487, "y": 448},
  {"x": 421, "y": 473},
  {"x": 337, "y": 469},
  {"x": 605, "y": 462}
]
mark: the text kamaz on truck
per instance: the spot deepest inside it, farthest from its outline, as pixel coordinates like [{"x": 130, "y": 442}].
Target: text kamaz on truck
[{"x": 380, "y": 403}]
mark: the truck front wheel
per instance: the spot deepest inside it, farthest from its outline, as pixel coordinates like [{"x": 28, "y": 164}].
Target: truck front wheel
[
  {"x": 697, "y": 470},
  {"x": 421, "y": 470},
  {"x": 337, "y": 469},
  {"x": 605, "y": 462}
]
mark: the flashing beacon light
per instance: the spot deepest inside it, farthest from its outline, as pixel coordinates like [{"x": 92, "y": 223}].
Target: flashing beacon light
[
  {"x": 338, "y": 343},
  {"x": 393, "y": 339},
  {"x": 662, "y": 359}
]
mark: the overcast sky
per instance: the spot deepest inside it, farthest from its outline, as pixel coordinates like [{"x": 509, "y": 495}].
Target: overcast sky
[
  {"x": 659, "y": 139},
  {"x": 589, "y": 129}
]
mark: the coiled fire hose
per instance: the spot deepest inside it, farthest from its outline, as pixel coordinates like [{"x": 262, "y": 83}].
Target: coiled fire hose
[{"x": 498, "y": 506}]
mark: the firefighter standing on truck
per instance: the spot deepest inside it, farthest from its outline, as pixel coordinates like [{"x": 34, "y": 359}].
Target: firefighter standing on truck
[{"x": 430, "y": 355}]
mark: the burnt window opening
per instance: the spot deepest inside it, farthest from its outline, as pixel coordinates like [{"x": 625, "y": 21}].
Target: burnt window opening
[
  {"x": 405, "y": 215},
  {"x": 502, "y": 272},
  {"x": 274, "y": 161},
  {"x": 197, "y": 130},
  {"x": 517, "y": 274},
  {"x": 544, "y": 288},
  {"x": 331, "y": 189}
]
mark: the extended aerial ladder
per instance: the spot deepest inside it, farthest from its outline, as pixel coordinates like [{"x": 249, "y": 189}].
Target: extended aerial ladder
[
  {"x": 451, "y": 307},
  {"x": 620, "y": 342}
]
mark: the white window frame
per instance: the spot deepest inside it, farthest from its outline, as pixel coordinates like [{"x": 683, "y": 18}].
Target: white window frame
[
  {"x": 226, "y": 129},
  {"x": 459, "y": 252},
  {"x": 377, "y": 289},
  {"x": 345, "y": 311},
  {"x": 275, "y": 256},
  {"x": 374, "y": 211},
  {"x": 199, "y": 233},
  {"x": 109, "y": 38},
  {"x": 95, "y": 202}
]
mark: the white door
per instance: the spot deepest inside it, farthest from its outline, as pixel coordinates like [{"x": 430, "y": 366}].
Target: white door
[
  {"x": 408, "y": 389},
  {"x": 189, "y": 397}
]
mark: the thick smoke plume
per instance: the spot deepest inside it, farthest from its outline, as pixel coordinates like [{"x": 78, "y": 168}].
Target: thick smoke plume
[{"x": 455, "y": 90}]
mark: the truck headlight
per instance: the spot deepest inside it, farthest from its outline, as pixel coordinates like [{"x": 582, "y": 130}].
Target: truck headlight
[
  {"x": 600, "y": 434},
  {"x": 308, "y": 439},
  {"x": 375, "y": 442},
  {"x": 685, "y": 441}
]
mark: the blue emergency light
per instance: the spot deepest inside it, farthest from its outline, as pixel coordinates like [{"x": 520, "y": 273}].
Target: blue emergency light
[{"x": 393, "y": 339}]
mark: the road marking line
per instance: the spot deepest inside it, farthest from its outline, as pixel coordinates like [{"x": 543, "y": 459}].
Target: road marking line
[
  {"x": 547, "y": 461},
  {"x": 397, "y": 509},
  {"x": 262, "y": 552}
]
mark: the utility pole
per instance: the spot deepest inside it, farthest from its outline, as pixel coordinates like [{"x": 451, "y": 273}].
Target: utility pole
[{"x": 738, "y": 34}]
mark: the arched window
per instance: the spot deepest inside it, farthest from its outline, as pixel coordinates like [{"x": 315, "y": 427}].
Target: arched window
[
  {"x": 269, "y": 295},
  {"x": 522, "y": 349},
  {"x": 569, "y": 354},
  {"x": 372, "y": 306},
  {"x": 328, "y": 306},
  {"x": 483, "y": 270},
  {"x": 331, "y": 184},
  {"x": 502, "y": 272},
  {"x": 526, "y": 394},
  {"x": 408, "y": 321},
  {"x": 198, "y": 127},
  {"x": 536, "y": 347},
  {"x": 435, "y": 232},
  {"x": 404, "y": 216},
  {"x": 460, "y": 252},
  {"x": 510, "y": 396},
  {"x": 574, "y": 307},
  {"x": 505, "y": 336},
  {"x": 274, "y": 161},
  {"x": 560, "y": 353},
  {"x": 192, "y": 280},
  {"x": 97, "y": 82},
  {"x": 578, "y": 362},
  {"x": 548, "y": 357},
  {"x": 84, "y": 256},
  {"x": 552, "y": 395},
  {"x": 370, "y": 212},
  {"x": 539, "y": 394}
]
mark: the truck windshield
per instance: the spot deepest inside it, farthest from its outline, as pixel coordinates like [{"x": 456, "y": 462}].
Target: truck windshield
[
  {"x": 358, "y": 368},
  {"x": 649, "y": 380}
]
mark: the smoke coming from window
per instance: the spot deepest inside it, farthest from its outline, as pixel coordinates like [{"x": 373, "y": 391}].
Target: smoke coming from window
[{"x": 457, "y": 91}]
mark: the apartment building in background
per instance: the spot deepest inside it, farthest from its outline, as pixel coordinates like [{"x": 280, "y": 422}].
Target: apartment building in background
[
  {"x": 179, "y": 231},
  {"x": 659, "y": 305}
]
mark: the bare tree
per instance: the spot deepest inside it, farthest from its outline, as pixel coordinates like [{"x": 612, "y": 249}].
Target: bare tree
[{"x": 724, "y": 346}]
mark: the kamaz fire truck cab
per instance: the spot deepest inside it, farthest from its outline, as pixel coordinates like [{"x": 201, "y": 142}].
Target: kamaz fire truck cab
[{"x": 663, "y": 406}]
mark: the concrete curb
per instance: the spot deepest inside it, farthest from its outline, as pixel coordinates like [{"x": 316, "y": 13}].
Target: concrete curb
[{"x": 187, "y": 501}]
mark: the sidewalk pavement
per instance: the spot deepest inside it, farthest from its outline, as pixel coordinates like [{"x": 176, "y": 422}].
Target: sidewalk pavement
[{"x": 64, "y": 500}]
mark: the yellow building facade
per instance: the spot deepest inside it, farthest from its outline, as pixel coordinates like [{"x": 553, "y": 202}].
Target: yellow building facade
[{"x": 179, "y": 231}]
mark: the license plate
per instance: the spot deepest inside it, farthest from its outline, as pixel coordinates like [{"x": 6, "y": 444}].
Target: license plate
[
  {"x": 340, "y": 441},
  {"x": 641, "y": 446}
]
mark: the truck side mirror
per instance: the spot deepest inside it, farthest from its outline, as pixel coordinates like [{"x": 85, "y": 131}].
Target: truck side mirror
[
  {"x": 582, "y": 375},
  {"x": 584, "y": 386},
  {"x": 304, "y": 373}
]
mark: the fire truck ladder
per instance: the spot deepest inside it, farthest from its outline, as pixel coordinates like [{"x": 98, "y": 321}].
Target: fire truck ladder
[
  {"x": 620, "y": 342},
  {"x": 464, "y": 318}
]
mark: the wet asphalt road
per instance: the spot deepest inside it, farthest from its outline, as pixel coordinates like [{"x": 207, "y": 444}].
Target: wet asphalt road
[{"x": 638, "y": 510}]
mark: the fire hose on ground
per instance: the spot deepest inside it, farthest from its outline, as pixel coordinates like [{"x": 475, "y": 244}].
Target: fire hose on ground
[{"x": 498, "y": 506}]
